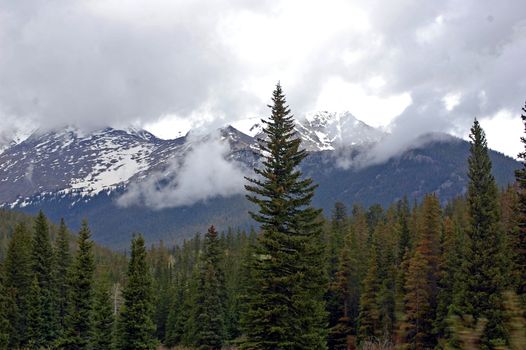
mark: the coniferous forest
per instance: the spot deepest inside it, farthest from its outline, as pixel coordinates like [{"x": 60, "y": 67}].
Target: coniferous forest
[{"x": 423, "y": 275}]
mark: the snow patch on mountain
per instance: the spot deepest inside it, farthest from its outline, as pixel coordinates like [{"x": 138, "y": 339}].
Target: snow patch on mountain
[{"x": 72, "y": 162}]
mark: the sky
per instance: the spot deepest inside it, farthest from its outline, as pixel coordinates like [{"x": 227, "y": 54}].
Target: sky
[{"x": 408, "y": 66}]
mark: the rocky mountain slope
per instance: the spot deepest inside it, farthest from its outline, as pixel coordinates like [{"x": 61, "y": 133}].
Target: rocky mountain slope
[{"x": 72, "y": 174}]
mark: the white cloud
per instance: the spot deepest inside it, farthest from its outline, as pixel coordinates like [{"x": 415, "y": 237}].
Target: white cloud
[
  {"x": 204, "y": 173},
  {"x": 94, "y": 63}
]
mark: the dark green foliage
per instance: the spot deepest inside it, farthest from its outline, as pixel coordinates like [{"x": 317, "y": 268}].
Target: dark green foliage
[
  {"x": 43, "y": 269},
  {"x": 63, "y": 265},
  {"x": 135, "y": 324},
  {"x": 18, "y": 279},
  {"x": 103, "y": 319},
  {"x": 285, "y": 306},
  {"x": 452, "y": 245},
  {"x": 209, "y": 310},
  {"x": 369, "y": 317},
  {"x": 80, "y": 304},
  {"x": 483, "y": 276},
  {"x": 518, "y": 242},
  {"x": 4, "y": 306},
  {"x": 35, "y": 337},
  {"x": 422, "y": 279},
  {"x": 404, "y": 241},
  {"x": 346, "y": 291},
  {"x": 162, "y": 282}
]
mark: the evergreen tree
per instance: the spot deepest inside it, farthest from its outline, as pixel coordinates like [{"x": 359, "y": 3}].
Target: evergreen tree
[
  {"x": 43, "y": 267},
  {"x": 161, "y": 284},
  {"x": 422, "y": 279},
  {"x": 285, "y": 309},
  {"x": 4, "y": 306},
  {"x": 369, "y": 318},
  {"x": 209, "y": 312},
  {"x": 18, "y": 279},
  {"x": 135, "y": 324},
  {"x": 404, "y": 243},
  {"x": 63, "y": 265},
  {"x": 35, "y": 337},
  {"x": 483, "y": 277},
  {"x": 450, "y": 261},
  {"x": 102, "y": 337},
  {"x": 519, "y": 241},
  {"x": 346, "y": 290},
  {"x": 79, "y": 326},
  {"x": 174, "y": 329}
]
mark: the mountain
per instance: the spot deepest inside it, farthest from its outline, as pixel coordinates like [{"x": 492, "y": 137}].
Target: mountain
[{"x": 72, "y": 174}]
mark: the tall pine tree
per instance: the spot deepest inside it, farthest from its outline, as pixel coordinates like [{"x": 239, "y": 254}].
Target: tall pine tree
[
  {"x": 135, "y": 324},
  {"x": 103, "y": 320},
  {"x": 79, "y": 325},
  {"x": 483, "y": 276},
  {"x": 4, "y": 322},
  {"x": 285, "y": 308},
  {"x": 63, "y": 265},
  {"x": 422, "y": 278},
  {"x": 43, "y": 267},
  {"x": 209, "y": 312},
  {"x": 18, "y": 278}
]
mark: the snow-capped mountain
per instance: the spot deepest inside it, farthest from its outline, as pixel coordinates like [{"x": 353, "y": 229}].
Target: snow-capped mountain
[
  {"x": 69, "y": 161},
  {"x": 321, "y": 131},
  {"x": 73, "y": 174},
  {"x": 332, "y": 130}
]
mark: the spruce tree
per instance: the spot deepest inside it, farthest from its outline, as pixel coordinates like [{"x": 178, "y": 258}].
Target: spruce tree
[
  {"x": 519, "y": 241},
  {"x": 346, "y": 290},
  {"x": 450, "y": 261},
  {"x": 209, "y": 312},
  {"x": 35, "y": 335},
  {"x": 18, "y": 278},
  {"x": 483, "y": 276},
  {"x": 422, "y": 278},
  {"x": 43, "y": 267},
  {"x": 63, "y": 265},
  {"x": 79, "y": 325},
  {"x": 103, "y": 320},
  {"x": 4, "y": 306},
  {"x": 404, "y": 235},
  {"x": 285, "y": 308},
  {"x": 135, "y": 324},
  {"x": 369, "y": 318}
]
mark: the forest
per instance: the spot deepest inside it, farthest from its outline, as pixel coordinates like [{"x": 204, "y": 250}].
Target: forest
[{"x": 422, "y": 275}]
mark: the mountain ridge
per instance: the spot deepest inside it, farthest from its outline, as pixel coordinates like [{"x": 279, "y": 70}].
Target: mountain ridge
[{"x": 75, "y": 175}]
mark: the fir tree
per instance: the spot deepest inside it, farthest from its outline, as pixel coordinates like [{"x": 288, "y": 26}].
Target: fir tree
[
  {"x": 519, "y": 241},
  {"x": 346, "y": 290},
  {"x": 422, "y": 279},
  {"x": 18, "y": 278},
  {"x": 286, "y": 308},
  {"x": 135, "y": 325},
  {"x": 102, "y": 336},
  {"x": 369, "y": 318},
  {"x": 63, "y": 265},
  {"x": 209, "y": 304},
  {"x": 43, "y": 267},
  {"x": 4, "y": 306},
  {"x": 79, "y": 326},
  {"x": 404, "y": 243},
  {"x": 35, "y": 337},
  {"x": 483, "y": 276}
]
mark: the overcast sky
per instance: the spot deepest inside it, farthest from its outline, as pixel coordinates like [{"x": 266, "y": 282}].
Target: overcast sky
[{"x": 410, "y": 66}]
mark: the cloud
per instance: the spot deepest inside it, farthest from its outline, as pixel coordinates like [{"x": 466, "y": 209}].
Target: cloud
[
  {"x": 108, "y": 62},
  {"x": 99, "y": 63},
  {"x": 204, "y": 173}
]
